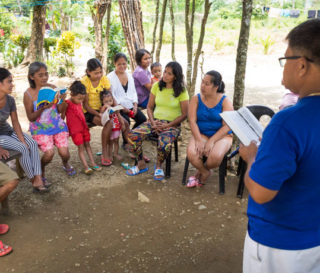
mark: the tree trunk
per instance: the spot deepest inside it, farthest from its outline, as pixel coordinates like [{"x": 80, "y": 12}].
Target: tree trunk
[
  {"x": 131, "y": 20},
  {"x": 97, "y": 12},
  {"x": 106, "y": 39},
  {"x": 154, "y": 34},
  {"x": 242, "y": 51},
  {"x": 173, "y": 38},
  {"x": 189, "y": 38},
  {"x": 35, "y": 48},
  {"x": 207, "y": 6},
  {"x": 163, "y": 16}
]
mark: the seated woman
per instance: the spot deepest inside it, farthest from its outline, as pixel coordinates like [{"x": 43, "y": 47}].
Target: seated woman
[
  {"x": 142, "y": 77},
  {"x": 124, "y": 91},
  {"x": 13, "y": 138},
  {"x": 167, "y": 108},
  {"x": 211, "y": 138}
]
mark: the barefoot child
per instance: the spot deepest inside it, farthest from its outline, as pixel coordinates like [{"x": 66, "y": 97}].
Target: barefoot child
[
  {"x": 156, "y": 71},
  {"x": 78, "y": 128},
  {"x": 107, "y": 102},
  {"x": 46, "y": 125}
]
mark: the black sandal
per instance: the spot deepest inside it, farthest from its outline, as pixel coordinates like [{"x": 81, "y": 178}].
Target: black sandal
[{"x": 40, "y": 189}]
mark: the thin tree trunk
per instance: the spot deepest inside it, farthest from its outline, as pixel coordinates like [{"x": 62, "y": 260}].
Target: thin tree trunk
[
  {"x": 173, "y": 38},
  {"x": 131, "y": 20},
  {"x": 35, "y": 49},
  {"x": 97, "y": 12},
  {"x": 154, "y": 34},
  {"x": 106, "y": 39},
  {"x": 163, "y": 16},
  {"x": 189, "y": 39},
  {"x": 242, "y": 51},
  {"x": 207, "y": 6}
]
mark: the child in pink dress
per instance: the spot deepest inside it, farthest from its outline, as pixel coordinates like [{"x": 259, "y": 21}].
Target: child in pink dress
[{"x": 107, "y": 102}]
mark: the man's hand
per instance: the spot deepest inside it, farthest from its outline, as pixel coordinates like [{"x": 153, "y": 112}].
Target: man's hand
[
  {"x": 4, "y": 153},
  {"x": 248, "y": 153}
]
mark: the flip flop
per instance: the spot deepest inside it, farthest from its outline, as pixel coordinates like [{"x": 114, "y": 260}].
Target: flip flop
[
  {"x": 41, "y": 189},
  {"x": 70, "y": 171},
  {"x": 126, "y": 166},
  {"x": 88, "y": 171},
  {"x": 193, "y": 182},
  {"x": 135, "y": 171},
  {"x": 158, "y": 172},
  {"x": 4, "y": 249},
  {"x": 3, "y": 229},
  {"x": 105, "y": 161},
  {"x": 96, "y": 168},
  {"x": 46, "y": 183}
]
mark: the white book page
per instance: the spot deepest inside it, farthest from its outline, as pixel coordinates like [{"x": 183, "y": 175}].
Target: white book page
[
  {"x": 251, "y": 119},
  {"x": 240, "y": 127}
]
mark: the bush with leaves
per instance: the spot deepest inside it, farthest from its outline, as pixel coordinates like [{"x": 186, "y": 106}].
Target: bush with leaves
[
  {"x": 48, "y": 44},
  {"x": 21, "y": 41},
  {"x": 66, "y": 46},
  {"x": 267, "y": 43},
  {"x": 6, "y": 26}
]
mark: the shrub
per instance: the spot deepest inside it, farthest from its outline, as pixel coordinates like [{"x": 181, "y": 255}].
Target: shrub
[
  {"x": 21, "y": 41},
  {"x": 64, "y": 51},
  {"x": 219, "y": 44},
  {"x": 267, "y": 43},
  {"x": 49, "y": 43}
]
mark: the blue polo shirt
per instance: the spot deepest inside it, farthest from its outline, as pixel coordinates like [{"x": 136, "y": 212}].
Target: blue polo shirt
[{"x": 288, "y": 160}]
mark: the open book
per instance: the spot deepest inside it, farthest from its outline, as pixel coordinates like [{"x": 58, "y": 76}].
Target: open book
[
  {"x": 244, "y": 124},
  {"x": 106, "y": 115},
  {"x": 47, "y": 95}
]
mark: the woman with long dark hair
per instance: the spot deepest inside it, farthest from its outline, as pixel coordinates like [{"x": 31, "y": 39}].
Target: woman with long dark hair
[
  {"x": 167, "y": 108},
  {"x": 210, "y": 138}
]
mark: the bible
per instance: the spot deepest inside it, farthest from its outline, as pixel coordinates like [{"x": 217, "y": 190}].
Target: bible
[{"x": 244, "y": 125}]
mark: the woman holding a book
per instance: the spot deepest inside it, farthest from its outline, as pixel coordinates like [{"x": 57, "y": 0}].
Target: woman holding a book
[{"x": 211, "y": 138}]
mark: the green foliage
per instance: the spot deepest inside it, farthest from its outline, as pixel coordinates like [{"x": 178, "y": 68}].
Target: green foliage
[
  {"x": 65, "y": 49},
  {"x": 219, "y": 44},
  {"x": 12, "y": 55},
  {"x": 116, "y": 43},
  {"x": 21, "y": 41},
  {"x": 61, "y": 72},
  {"x": 49, "y": 43},
  {"x": 6, "y": 25},
  {"x": 267, "y": 43}
]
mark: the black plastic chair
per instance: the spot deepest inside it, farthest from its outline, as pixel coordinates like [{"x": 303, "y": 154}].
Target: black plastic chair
[
  {"x": 222, "y": 173},
  {"x": 258, "y": 111},
  {"x": 168, "y": 159}
]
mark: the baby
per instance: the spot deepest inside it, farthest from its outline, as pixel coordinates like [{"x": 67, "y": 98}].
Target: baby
[{"x": 156, "y": 71}]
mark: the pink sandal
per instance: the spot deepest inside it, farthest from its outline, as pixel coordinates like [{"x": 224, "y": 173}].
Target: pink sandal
[
  {"x": 3, "y": 229},
  {"x": 105, "y": 161},
  {"x": 193, "y": 182},
  {"x": 4, "y": 249}
]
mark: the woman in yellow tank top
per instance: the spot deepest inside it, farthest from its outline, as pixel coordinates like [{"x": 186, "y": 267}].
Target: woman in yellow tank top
[{"x": 95, "y": 82}]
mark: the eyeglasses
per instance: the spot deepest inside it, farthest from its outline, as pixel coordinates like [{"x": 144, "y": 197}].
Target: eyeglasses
[{"x": 282, "y": 60}]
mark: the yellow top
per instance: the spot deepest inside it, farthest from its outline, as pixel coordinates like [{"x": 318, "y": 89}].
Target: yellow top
[{"x": 94, "y": 93}]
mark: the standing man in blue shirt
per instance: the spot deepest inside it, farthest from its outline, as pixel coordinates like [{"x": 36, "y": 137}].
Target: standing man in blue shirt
[{"x": 283, "y": 176}]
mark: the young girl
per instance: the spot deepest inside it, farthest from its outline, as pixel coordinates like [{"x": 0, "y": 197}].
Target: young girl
[
  {"x": 78, "y": 128},
  {"x": 95, "y": 82},
  {"x": 46, "y": 125},
  {"x": 13, "y": 138},
  {"x": 117, "y": 121}
]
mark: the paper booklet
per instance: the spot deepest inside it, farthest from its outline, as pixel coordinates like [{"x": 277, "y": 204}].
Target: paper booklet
[
  {"x": 244, "y": 125},
  {"x": 105, "y": 116},
  {"x": 47, "y": 95}
]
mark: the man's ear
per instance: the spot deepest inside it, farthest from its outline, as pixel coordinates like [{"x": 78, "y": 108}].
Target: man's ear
[{"x": 303, "y": 66}]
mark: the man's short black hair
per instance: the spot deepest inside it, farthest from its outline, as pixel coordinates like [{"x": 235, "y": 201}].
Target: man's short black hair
[{"x": 306, "y": 38}]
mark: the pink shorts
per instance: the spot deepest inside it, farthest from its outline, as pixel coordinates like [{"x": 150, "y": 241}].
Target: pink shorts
[
  {"x": 115, "y": 134},
  {"x": 46, "y": 142}
]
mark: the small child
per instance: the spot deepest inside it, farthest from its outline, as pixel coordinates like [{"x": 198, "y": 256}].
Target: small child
[
  {"x": 107, "y": 102},
  {"x": 156, "y": 71},
  {"x": 78, "y": 127}
]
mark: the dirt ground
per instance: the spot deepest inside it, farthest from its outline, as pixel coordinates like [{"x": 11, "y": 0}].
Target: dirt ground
[{"x": 98, "y": 224}]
